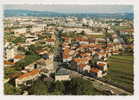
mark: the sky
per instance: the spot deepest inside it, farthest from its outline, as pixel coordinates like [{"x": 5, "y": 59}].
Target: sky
[{"x": 75, "y": 8}]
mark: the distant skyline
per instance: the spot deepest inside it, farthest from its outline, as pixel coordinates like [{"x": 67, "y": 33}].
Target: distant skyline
[{"x": 75, "y": 8}]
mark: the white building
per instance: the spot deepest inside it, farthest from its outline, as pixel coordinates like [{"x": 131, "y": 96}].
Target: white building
[
  {"x": 62, "y": 75},
  {"x": 33, "y": 75}
]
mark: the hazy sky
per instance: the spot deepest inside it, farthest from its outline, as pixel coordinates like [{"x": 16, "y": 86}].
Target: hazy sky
[{"x": 75, "y": 8}]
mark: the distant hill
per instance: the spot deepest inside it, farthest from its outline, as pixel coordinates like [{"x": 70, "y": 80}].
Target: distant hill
[{"x": 13, "y": 12}]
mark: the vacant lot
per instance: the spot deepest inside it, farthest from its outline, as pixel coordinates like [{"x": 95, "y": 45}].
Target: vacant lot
[{"x": 121, "y": 71}]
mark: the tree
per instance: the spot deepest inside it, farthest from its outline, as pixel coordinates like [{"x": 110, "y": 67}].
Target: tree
[
  {"x": 94, "y": 60},
  {"x": 59, "y": 87},
  {"x": 11, "y": 90},
  {"x": 79, "y": 86},
  {"x": 22, "y": 49},
  {"x": 26, "y": 61},
  {"x": 19, "y": 40},
  {"x": 39, "y": 88}
]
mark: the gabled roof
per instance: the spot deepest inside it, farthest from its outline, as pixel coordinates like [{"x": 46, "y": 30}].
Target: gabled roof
[
  {"x": 66, "y": 56},
  {"x": 50, "y": 40},
  {"x": 66, "y": 51},
  {"x": 94, "y": 70},
  {"x": 81, "y": 60},
  {"x": 101, "y": 53},
  {"x": 81, "y": 39},
  {"x": 101, "y": 64},
  {"x": 19, "y": 56},
  {"x": 8, "y": 63},
  {"x": 84, "y": 54},
  {"x": 32, "y": 73},
  {"x": 82, "y": 65}
]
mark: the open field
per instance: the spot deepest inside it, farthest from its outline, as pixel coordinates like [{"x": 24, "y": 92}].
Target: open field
[
  {"x": 120, "y": 27},
  {"x": 96, "y": 36},
  {"x": 121, "y": 71}
]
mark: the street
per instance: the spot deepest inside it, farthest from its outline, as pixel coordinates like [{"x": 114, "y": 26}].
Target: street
[{"x": 99, "y": 85}]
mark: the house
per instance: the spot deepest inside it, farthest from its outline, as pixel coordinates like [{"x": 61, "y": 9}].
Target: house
[
  {"x": 50, "y": 42},
  {"x": 36, "y": 29},
  {"x": 62, "y": 75},
  {"x": 82, "y": 40},
  {"x": 116, "y": 52},
  {"x": 95, "y": 72},
  {"x": 10, "y": 52},
  {"x": 31, "y": 39},
  {"x": 41, "y": 52},
  {"x": 19, "y": 31},
  {"x": 67, "y": 55},
  {"x": 33, "y": 75},
  {"x": 83, "y": 68},
  {"x": 102, "y": 65},
  {"x": 18, "y": 57},
  {"x": 67, "y": 58},
  {"x": 101, "y": 55},
  {"x": 8, "y": 63},
  {"x": 84, "y": 60}
]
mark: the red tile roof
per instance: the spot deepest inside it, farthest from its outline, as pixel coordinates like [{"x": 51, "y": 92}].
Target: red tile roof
[
  {"x": 81, "y": 60},
  {"x": 8, "y": 63},
  {"x": 81, "y": 39},
  {"x": 32, "y": 73},
  {"x": 50, "y": 40},
  {"x": 94, "y": 70},
  {"x": 127, "y": 30},
  {"x": 66, "y": 51},
  {"x": 66, "y": 56},
  {"x": 116, "y": 51},
  {"x": 19, "y": 56},
  {"x": 101, "y": 53},
  {"x": 82, "y": 65},
  {"x": 84, "y": 54},
  {"x": 101, "y": 64}
]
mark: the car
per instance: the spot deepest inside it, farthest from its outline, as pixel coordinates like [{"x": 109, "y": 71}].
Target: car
[{"x": 108, "y": 92}]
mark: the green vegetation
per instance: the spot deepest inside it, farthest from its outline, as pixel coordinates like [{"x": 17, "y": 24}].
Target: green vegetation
[
  {"x": 11, "y": 90},
  {"x": 96, "y": 36},
  {"x": 8, "y": 71},
  {"x": 121, "y": 71},
  {"x": 19, "y": 40},
  {"x": 39, "y": 88},
  {"x": 76, "y": 86},
  {"x": 20, "y": 65},
  {"x": 73, "y": 34},
  {"x": 120, "y": 27},
  {"x": 79, "y": 86},
  {"x": 26, "y": 61},
  {"x": 9, "y": 36},
  {"x": 22, "y": 49}
]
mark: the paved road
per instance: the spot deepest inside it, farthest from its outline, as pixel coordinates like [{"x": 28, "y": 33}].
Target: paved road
[{"x": 99, "y": 84}]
